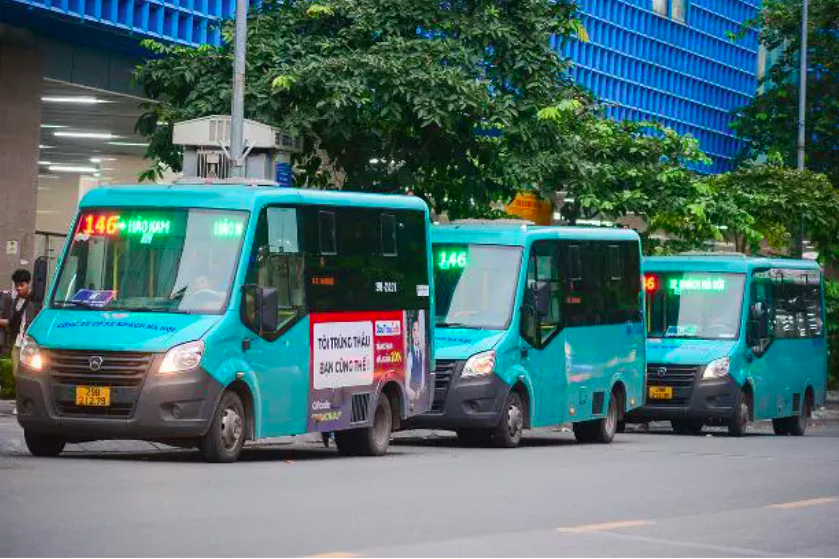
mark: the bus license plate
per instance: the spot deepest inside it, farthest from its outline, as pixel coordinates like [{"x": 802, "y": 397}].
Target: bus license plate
[
  {"x": 93, "y": 396},
  {"x": 661, "y": 392}
]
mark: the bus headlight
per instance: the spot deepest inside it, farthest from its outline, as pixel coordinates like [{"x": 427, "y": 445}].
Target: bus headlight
[
  {"x": 717, "y": 368},
  {"x": 479, "y": 365},
  {"x": 30, "y": 354},
  {"x": 181, "y": 358}
]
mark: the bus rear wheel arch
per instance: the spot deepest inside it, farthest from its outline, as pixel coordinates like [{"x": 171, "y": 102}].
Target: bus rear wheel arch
[
  {"x": 603, "y": 430},
  {"x": 796, "y": 425},
  {"x": 374, "y": 439}
]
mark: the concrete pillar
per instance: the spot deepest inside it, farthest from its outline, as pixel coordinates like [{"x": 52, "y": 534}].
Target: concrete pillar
[{"x": 21, "y": 79}]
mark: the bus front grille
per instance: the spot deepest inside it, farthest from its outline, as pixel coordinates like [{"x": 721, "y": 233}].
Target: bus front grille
[
  {"x": 443, "y": 375},
  {"x": 122, "y": 372},
  {"x": 680, "y": 378}
]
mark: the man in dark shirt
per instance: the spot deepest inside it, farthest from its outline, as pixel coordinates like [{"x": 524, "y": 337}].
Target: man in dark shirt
[{"x": 23, "y": 312}]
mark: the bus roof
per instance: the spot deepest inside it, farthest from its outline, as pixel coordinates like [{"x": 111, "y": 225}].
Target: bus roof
[
  {"x": 734, "y": 263},
  {"x": 520, "y": 234},
  {"x": 237, "y": 197}
]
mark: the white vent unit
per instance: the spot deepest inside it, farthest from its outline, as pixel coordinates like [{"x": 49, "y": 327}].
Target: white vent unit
[{"x": 206, "y": 143}]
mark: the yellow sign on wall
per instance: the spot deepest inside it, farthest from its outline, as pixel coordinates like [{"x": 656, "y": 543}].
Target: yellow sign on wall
[{"x": 529, "y": 206}]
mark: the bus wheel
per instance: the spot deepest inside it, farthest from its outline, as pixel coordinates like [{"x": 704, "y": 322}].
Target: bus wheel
[
  {"x": 781, "y": 426},
  {"x": 737, "y": 424},
  {"x": 686, "y": 426},
  {"x": 372, "y": 440},
  {"x": 510, "y": 428},
  {"x": 599, "y": 430},
  {"x": 798, "y": 424},
  {"x": 224, "y": 441},
  {"x": 46, "y": 446}
]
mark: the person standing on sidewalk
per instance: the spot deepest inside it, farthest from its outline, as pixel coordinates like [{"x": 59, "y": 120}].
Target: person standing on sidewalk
[{"x": 24, "y": 311}]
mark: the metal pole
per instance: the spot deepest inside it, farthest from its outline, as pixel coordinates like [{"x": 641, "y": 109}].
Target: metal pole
[
  {"x": 237, "y": 109},
  {"x": 802, "y": 115}
]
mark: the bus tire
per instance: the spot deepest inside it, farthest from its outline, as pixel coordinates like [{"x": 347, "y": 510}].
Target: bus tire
[
  {"x": 797, "y": 424},
  {"x": 224, "y": 440},
  {"x": 45, "y": 446},
  {"x": 599, "y": 430},
  {"x": 474, "y": 437},
  {"x": 510, "y": 427},
  {"x": 686, "y": 426},
  {"x": 737, "y": 425},
  {"x": 781, "y": 426},
  {"x": 372, "y": 440}
]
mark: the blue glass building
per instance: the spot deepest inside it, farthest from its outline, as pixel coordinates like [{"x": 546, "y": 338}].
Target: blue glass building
[{"x": 670, "y": 61}]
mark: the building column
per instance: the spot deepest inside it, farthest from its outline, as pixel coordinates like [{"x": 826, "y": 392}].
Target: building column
[{"x": 21, "y": 81}]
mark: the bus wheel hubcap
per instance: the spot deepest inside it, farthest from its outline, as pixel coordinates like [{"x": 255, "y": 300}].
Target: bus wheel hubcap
[
  {"x": 231, "y": 428},
  {"x": 515, "y": 421}
]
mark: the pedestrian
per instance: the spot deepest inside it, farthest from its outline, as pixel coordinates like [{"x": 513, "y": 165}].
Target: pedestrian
[
  {"x": 5, "y": 313},
  {"x": 24, "y": 311}
]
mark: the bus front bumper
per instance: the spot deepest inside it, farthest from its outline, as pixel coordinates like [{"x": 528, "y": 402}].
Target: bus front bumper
[
  {"x": 162, "y": 407},
  {"x": 466, "y": 404},
  {"x": 710, "y": 401}
]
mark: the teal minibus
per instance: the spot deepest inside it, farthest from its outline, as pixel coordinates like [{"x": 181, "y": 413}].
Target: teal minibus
[
  {"x": 536, "y": 326},
  {"x": 203, "y": 315},
  {"x": 733, "y": 339}
]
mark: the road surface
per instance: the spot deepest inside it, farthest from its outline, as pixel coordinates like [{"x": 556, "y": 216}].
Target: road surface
[{"x": 647, "y": 494}]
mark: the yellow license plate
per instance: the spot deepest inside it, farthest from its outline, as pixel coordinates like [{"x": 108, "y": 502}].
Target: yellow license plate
[
  {"x": 661, "y": 392},
  {"x": 93, "y": 396}
]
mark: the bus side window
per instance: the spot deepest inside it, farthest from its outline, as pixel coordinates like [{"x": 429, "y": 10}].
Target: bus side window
[
  {"x": 326, "y": 230},
  {"x": 544, "y": 291},
  {"x": 388, "y": 234},
  {"x": 615, "y": 264},
  {"x": 277, "y": 261},
  {"x": 761, "y": 320}
]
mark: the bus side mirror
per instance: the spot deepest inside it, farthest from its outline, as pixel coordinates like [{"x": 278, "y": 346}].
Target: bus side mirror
[
  {"x": 39, "y": 279},
  {"x": 259, "y": 308},
  {"x": 529, "y": 325}
]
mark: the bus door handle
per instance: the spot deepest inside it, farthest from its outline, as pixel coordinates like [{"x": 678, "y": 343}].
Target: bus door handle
[
  {"x": 524, "y": 352},
  {"x": 246, "y": 344}
]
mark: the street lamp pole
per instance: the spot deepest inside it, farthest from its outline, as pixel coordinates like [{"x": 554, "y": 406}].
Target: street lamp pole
[
  {"x": 802, "y": 106},
  {"x": 237, "y": 109}
]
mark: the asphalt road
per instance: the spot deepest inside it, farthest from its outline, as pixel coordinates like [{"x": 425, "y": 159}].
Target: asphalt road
[{"x": 647, "y": 494}]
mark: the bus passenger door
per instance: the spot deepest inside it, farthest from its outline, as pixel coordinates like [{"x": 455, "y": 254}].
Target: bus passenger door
[
  {"x": 760, "y": 337},
  {"x": 543, "y": 355},
  {"x": 280, "y": 359}
]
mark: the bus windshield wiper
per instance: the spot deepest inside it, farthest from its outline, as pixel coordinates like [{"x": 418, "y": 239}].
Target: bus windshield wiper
[
  {"x": 443, "y": 324},
  {"x": 82, "y": 304},
  {"x": 147, "y": 309}
]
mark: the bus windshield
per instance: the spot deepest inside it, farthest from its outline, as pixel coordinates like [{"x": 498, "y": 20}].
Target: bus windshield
[
  {"x": 172, "y": 260},
  {"x": 696, "y": 305},
  {"x": 475, "y": 285}
]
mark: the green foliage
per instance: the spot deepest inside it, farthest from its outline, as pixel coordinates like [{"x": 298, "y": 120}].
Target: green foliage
[
  {"x": 7, "y": 379},
  {"x": 386, "y": 95},
  {"x": 465, "y": 112},
  {"x": 765, "y": 201},
  {"x": 768, "y": 123}
]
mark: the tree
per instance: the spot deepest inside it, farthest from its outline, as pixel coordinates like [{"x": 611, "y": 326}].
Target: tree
[
  {"x": 768, "y": 200},
  {"x": 768, "y": 123},
  {"x": 462, "y": 102},
  {"x": 388, "y": 95}
]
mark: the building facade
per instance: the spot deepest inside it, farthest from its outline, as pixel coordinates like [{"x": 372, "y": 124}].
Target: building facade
[{"x": 672, "y": 61}]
